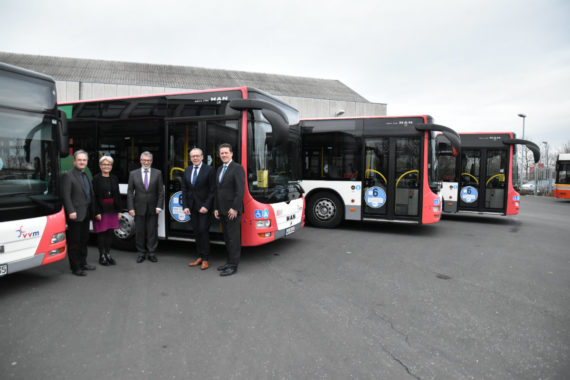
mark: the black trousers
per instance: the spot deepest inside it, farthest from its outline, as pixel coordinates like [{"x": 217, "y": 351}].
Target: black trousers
[
  {"x": 146, "y": 227},
  {"x": 232, "y": 237},
  {"x": 104, "y": 240},
  {"x": 77, "y": 239},
  {"x": 201, "y": 226}
]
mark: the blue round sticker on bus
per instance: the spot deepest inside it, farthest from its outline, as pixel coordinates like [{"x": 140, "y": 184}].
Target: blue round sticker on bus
[
  {"x": 375, "y": 197},
  {"x": 176, "y": 210},
  {"x": 469, "y": 194}
]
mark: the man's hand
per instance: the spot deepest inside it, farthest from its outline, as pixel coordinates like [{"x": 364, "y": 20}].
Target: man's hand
[
  {"x": 73, "y": 216},
  {"x": 187, "y": 211},
  {"x": 203, "y": 210},
  {"x": 232, "y": 214},
  {"x": 132, "y": 213},
  {"x": 216, "y": 214}
]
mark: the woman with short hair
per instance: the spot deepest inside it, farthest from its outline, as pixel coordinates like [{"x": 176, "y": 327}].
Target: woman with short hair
[{"x": 107, "y": 209}]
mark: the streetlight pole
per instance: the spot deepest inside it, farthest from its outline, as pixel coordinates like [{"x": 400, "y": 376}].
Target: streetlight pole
[
  {"x": 523, "y": 154},
  {"x": 547, "y": 176}
]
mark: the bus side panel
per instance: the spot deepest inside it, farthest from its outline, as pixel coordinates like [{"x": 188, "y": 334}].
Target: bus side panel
[
  {"x": 431, "y": 209},
  {"x": 26, "y": 243},
  {"x": 513, "y": 198},
  {"x": 21, "y": 238},
  {"x": 561, "y": 191},
  {"x": 350, "y": 192},
  {"x": 56, "y": 251}
]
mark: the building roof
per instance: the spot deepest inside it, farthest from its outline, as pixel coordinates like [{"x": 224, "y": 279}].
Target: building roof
[{"x": 184, "y": 77}]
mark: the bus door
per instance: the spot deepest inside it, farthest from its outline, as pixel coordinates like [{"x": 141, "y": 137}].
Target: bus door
[
  {"x": 391, "y": 178},
  {"x": 183, "y": 135},
  {"x": 483, "y": 179}
]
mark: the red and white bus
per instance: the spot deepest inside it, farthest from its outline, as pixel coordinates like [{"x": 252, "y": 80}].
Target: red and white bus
[
  {"x": 371, "y": 169},
  {"x": 32, "y": 136},
  {"x": 262, "y": 130},
  {"x": 482, "y": 178},
  {"x": 562, "y": 182}
]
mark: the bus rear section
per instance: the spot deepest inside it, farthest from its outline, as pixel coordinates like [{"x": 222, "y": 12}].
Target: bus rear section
[
  {"x": 262, "y": 130},
  {"x": 32, "y": 137},
  {"x": 562, "y": 182},
  {"x": 371, "y": 169},
  {"x": 481, "y": 178}
]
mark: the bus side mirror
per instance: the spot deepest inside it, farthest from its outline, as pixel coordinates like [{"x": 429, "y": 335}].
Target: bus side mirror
[
  {"x": 62, "y": 134},
  {"x": 279, "y": 126}
]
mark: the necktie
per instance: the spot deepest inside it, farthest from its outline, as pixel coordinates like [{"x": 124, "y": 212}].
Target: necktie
[
  {"x": 146, "y": 179},
  {"x": 194, "y": 175},
  {"x": 86, "y": 187},
  {"x": 223, "y": 172}
]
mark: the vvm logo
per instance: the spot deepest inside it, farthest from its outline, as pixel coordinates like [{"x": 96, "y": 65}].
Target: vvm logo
[{"x": 27, "y": 235}]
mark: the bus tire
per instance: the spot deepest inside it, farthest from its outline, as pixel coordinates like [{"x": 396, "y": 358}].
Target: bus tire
[
  {"x": 325, "y": 210},
  {"x": 124, "y": 237}
]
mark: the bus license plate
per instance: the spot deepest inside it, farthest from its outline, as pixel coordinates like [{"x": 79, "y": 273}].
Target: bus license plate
[
  {"x": 3, "y": 270},
  {"x": 289, "y": 230}
]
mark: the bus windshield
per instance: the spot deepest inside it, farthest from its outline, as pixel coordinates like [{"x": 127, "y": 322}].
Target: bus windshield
[
  {"x": 273, "y": 165},
  {"x": 26, "y": 155}
]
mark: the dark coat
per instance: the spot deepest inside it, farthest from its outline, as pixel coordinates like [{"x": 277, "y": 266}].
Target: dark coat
[
  {"x": 74, "y": 197},
  {"x": 202, "y": 193},
  {"x": 145, "y": 202},
  {"x": 229, "y": 192},
  {"x": 100, "y": 189}
]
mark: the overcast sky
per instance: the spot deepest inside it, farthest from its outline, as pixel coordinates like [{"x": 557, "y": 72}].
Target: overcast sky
[{"x": 473, "y": 65}]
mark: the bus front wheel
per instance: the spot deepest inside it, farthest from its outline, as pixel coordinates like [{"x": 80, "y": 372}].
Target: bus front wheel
[
  {"x": 325, "y": 210},
  {"x": 125, "y": 234}
]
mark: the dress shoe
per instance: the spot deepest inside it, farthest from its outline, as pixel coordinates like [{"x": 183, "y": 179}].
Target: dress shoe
[
  {"x": 204, "y": 265},
  {"x": 79, "y": 273},
  {"x": 223, "y": 267},
  {"x": 152, "y": 258},
  {"x": 140, "y": 259},
  {"x": 88, "y": 267},
  {"x": 103, "y": 260},
  {"x": 195, "y": 263},
  {"x": 228, "y": 271},
  {"x": 110, "y": 260}
]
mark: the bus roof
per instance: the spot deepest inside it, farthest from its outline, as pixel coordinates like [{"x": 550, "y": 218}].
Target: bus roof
[
  {"x": 564, "y": 157},
  {"x": 425, "y": 117},
  {"x": 244, "y": 90},
  {"x": 25, "y": 72}
]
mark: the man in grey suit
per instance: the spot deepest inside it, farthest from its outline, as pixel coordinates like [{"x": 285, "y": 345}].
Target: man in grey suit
[
  {"x": 145, "y": 197},
  {"x": 77, "y": 195}
]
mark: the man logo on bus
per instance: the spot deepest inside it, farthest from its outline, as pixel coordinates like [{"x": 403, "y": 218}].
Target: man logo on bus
[{"x": 26, "y": 235}]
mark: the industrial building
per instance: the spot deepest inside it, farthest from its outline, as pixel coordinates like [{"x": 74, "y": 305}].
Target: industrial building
[{"x": 86, "y": 79}]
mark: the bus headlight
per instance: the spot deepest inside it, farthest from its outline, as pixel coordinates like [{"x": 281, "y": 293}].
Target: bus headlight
[
  {"x": 59, "y": 237},
  {"x": 263, "y": 223}
]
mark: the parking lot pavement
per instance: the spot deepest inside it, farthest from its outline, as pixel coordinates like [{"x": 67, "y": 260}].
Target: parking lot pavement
[{"x": 473, "y": 297}]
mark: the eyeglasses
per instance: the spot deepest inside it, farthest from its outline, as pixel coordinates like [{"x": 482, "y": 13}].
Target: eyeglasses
[
  {"x": 195, "y": 156},
  {"x": 106, "y": 165},
  {"x": 145, "y": 160}
]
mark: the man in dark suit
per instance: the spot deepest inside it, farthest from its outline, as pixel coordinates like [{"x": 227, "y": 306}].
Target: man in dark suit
[
  {"x": 145, "y": 199},
  {"x": 229, "y": 206},
  {"x": 198, "y": 187},
  {"x": 77, "y": 195}
]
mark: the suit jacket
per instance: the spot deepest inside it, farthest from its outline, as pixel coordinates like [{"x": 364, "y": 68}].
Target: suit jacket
[
  {"x": 229, "y": 192},
  {"x": 202, "y": 193},
  {"x": 100, "y": 189},
  {"x": 74, "y": 196},
  {"x": 145, "y": 202}
]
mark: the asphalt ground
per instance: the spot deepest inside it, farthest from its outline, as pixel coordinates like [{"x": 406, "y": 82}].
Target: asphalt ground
[{"x": 472, "y": 297}]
